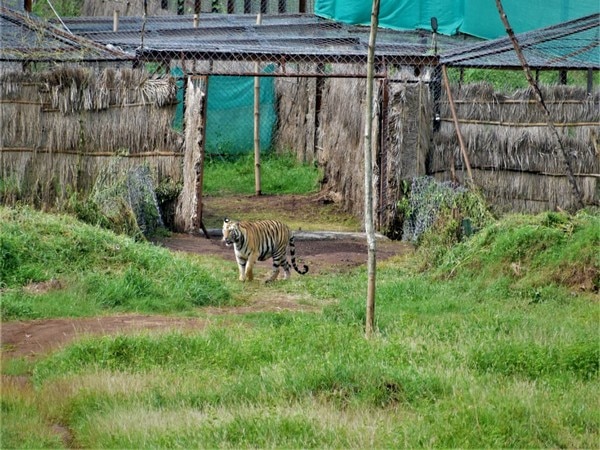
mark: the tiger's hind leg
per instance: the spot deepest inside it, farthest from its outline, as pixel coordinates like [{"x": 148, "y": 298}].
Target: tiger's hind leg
[
  {"x": 286, "y": 269},
  {"x": 274, "y": 274},
  {"x": 279, "y": 261}
]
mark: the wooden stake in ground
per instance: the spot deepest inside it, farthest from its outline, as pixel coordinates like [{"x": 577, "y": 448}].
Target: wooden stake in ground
[
  {"x": 257, "y": 184},
  {"x": 368, "y": 151},
  {"x": 540, "y": 101}
]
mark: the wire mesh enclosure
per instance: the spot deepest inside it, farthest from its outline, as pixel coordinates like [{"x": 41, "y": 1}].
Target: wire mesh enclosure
[{"x": 310, "y": 73}]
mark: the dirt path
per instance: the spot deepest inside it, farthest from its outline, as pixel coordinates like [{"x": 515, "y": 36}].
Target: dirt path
[{"x": 321, "y": 252}]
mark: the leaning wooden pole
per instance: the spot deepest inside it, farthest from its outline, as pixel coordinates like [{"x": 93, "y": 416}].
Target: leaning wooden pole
[
  {"x": 540, "y": 102},
  {"x": 368, "y": 155},
  {"x": 461, "y": 142}
]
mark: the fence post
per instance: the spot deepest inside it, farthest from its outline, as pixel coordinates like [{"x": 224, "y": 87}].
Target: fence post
[{"x": 116, "y": 20}]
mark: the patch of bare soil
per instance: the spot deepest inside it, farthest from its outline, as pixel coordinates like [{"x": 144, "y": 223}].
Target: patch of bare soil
[{"x": 322, "y": 253}]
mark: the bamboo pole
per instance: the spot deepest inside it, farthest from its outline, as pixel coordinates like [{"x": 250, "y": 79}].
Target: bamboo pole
[
  {"x": 463, "y": 148},
  {"x": 257, "y": 183},
  {"x": 368, "y": 155},
  {"x": 116, "y": 20},
  {"x": 200, "y": 170}
]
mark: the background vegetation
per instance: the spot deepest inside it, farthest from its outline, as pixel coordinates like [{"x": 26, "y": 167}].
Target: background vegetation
[
  {"x": 494, "y": 345},
  {"x": 280, "y": 174}
]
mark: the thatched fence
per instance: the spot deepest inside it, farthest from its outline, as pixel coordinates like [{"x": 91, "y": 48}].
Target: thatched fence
[
  {"x": 60, "y": 128},
  {"x": 515, "y": 159},
  {"x": 322, "y": 120}
]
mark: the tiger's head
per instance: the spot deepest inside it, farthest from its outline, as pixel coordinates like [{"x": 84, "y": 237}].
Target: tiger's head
[{"x": 231, "y": 231}]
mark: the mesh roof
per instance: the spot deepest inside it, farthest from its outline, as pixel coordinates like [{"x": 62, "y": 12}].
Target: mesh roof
[
  {"x": 569, "y": 45},
  {"x": 279, "y": 39},
  {"x": 24, "y": 38},
  {"x": 286, "y": 41}
]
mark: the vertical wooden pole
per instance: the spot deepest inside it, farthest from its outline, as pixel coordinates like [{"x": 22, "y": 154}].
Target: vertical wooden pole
[
  {"x": 368, "y": 155},
  {"x": 116, "y": 20},
  {"x": 200, "y": 172},
  {"x": 302, "y": 6},
  {"x": 257, "y": 183}
]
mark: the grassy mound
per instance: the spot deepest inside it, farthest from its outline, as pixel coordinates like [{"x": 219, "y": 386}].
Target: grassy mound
[{"x": 97, "y": 270}]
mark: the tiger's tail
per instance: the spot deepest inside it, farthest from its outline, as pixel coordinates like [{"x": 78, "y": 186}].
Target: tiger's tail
[{"x": 293, "y": 257}]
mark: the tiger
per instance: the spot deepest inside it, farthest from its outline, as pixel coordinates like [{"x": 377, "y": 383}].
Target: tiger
[{"x": 261, "y": 240}]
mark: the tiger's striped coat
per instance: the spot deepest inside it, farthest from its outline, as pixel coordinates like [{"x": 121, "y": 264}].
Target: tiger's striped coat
[{"x": 259, "y": 241}]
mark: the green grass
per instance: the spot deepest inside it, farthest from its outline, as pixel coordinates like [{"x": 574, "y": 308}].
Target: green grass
[
  {"x": 236, "y": 175},
  {"x": 97, "y": 271},
  {"x": 69, "y": 8},
  {"x": 509, "y": 80},
  {"x": 494, "y": 346}
]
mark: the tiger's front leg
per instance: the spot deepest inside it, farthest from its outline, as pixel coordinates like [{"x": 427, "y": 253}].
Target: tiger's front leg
[
  {"x": 250, "y": 266},
  {"x": 241, "y": 262}
]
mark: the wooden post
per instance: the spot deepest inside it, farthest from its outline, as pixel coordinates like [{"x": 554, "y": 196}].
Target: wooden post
[
  {"x": 302, "y": 6},
  {"x": 200, "y": 173},
  {"x": 116, "y": 20},
  {"x": 257, "y": 184},
  {"x": 368, "y": 155}
]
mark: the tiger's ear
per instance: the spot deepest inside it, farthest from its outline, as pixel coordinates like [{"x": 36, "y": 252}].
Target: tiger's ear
[{"x": 226, "y": 220}]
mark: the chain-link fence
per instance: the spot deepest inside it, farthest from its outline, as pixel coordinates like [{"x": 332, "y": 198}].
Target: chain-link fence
[{"x": 453, "y": 107}]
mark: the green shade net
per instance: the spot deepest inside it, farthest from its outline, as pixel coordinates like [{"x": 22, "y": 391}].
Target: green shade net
[
  {"x": 230, "y": 112},
  {"x": 475, "y": 17}
]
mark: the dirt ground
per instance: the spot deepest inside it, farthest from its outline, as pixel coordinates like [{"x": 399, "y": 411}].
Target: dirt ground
[{"x": 322, "y": 252}]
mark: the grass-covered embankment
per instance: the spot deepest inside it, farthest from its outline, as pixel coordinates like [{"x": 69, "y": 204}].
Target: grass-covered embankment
[{"x": 99, "y": 271}]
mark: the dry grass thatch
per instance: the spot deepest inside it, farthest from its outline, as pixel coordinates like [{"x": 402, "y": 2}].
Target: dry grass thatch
[
  {"x": 61, "y": 127},
  {"x": 297, "y": 121},
  {"x": 340, "y": 140},
  {"x": 508, "y": 135}
]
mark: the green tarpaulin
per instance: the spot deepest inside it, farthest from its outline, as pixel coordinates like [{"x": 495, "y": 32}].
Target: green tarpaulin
[
  {"x": 230, "y": 113},
  {"x": 475, "y": 17}
]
